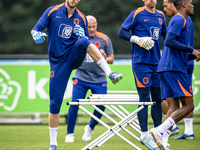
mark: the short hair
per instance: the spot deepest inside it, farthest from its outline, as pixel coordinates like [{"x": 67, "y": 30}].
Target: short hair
[
  {"x": 177, "y": 3},
  {"x": 170, "y": 1}
]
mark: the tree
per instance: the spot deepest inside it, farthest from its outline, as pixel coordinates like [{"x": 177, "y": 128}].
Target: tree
[{"x": 18, "y": 17}]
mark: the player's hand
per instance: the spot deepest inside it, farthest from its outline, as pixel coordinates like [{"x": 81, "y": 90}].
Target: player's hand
[
  {"x": 103, "y": 53},
  {"x": 79, "y": 31},
  {"x": 38, "y": 37},
  {"x": 197, "y": 54},
  {"x": 145, "y": 42}
]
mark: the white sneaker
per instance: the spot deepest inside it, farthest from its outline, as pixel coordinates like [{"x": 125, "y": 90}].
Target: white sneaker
[
  {"x": 158, "y": 138},
  {"x": 149, "y": 143},
  {"x": 88, "y": 134},
  {"x": 69, "y": 138}
]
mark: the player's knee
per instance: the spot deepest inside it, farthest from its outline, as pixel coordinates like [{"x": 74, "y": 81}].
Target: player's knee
[
  {"x": 157, "y": 99},
  {"x": 55, "y": 108},
  {"x": 190, "y": 108},
  {"x": 173, "y": 108},
  {"x": 82, "y": 43},
  {"x": 156, "y": 94},
  {"x": 144, "y": 94}
]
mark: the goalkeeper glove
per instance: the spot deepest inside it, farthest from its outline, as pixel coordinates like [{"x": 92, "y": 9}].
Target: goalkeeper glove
[
  {"x": 145, "y": 42},
  {"x": 79, "y": 31},
  {"x": 38, "y": 37}
]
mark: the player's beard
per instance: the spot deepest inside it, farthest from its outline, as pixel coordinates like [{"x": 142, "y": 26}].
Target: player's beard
[
  {"x": 152, "y": 5},
  {"x": 71, "y": 6}
]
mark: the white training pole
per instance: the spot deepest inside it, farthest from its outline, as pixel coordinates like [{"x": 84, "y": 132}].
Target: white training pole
[
  {"x": 113, "y": 128},
  {"x": 122, "y": 92},
  {"x": 112, "y": 96},
  {"x": 135, "y": 122},
  {"x": 122, "y": 122},
  {"x": 111, "y": 135},
  {"x": 128, "y": 123},
  {"x": 110, "y": 103},
  {"x": 115, "y": 122},
  {"x": 122, "y": 125},
  {"x": 107, "y": 100}
]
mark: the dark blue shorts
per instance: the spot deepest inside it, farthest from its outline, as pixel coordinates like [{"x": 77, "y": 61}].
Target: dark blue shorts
[
  {"x": 145, "y": 75},
  {"x": 175, "y": 84}
]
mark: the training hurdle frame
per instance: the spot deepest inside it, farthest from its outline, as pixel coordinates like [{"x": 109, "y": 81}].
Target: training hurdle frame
[{"x": 118, "y": 98}]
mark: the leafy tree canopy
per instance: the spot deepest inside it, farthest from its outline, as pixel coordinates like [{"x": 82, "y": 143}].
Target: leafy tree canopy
[{"x": 18, "y": 17}]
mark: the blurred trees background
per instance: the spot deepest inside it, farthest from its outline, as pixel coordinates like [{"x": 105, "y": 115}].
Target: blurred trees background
[{"x": 18, "y": 17}]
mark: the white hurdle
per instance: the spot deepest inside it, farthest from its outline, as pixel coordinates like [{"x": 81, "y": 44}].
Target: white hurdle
[{"x": 109, "y": 101}]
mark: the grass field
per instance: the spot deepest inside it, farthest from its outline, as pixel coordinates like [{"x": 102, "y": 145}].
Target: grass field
[{"x": 36, "y": 137}]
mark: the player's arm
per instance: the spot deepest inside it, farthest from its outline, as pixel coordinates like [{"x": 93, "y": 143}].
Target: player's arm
[
  {"x": 109, "y": 58},
  {"x": 191, "y": 57},
  {"x": 164, "y": 30},
  {"x": 163, "y": 35},
  {"x": 171, "y": 41},
  {"x": 145, "y": 42},
  {"x": 124, "y": 34},
  {"x": 109, "y": 51},
  {"x": 36, "y": 32}
]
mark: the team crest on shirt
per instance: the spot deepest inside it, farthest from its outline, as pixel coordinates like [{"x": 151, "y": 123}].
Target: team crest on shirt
[
  {"x": 65, "y": 31},
  {"x": 97, "y": 44},
  {"x": 155, "y": 33},
  {"x": 160, "y": 21},
  {"x": 76, "y": 21}
]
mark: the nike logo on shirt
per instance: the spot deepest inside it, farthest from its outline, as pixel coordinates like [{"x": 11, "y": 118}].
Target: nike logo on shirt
[
  {"x": 146, "y": 20},
  {"x": 58, "y": 17}
]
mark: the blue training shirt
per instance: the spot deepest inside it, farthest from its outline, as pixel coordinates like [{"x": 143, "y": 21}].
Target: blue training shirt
[
  {"x": 176, "y": 60},
  {"x": 89, "y": 71},
  {"x": 60, "y": 30},
  {"x": 143, "y": 23}
]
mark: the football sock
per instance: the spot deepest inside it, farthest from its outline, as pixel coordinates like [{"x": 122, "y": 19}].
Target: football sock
[
  {"x": 53, "y": 135},
  {"x": 144, "y": 135},
  {"x": 156, "y": 110},
  {"x": 174, "y": 126},
  {"x": 144, "y": 96},
  {"x": 166, "y": 125},
  {"x": 104, "y": 65},
  {"x": 71, "y": 118},
  {"x": 188, "y": 126},
  {"x": 166, "y": 137}
]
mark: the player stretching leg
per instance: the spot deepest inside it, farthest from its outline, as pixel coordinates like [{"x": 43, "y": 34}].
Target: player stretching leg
[{"x": 68, "y": 42}]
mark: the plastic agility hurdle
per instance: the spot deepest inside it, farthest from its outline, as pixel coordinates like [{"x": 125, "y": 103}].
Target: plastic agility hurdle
[{"x": 109, "y": 101}]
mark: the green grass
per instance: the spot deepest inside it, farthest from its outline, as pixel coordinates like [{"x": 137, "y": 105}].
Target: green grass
[{"x": 36, "y": 137}]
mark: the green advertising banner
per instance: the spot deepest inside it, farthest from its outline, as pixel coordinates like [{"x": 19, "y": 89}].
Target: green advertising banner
[{"x": 24, "y": 85}]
